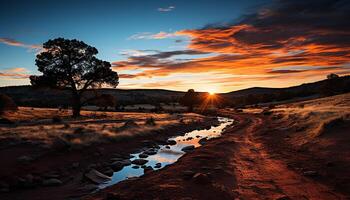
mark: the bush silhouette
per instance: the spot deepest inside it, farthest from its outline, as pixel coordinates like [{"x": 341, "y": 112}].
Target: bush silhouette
[
  {"x": 190, "y": 99},
  {"x": 7, "y": 104}
]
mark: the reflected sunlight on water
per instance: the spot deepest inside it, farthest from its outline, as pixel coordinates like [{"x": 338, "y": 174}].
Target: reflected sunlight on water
[{"x": 168, "y": 154}]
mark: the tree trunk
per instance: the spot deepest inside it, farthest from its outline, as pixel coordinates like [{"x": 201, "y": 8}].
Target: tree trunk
[{"x": 76, "y": 105}]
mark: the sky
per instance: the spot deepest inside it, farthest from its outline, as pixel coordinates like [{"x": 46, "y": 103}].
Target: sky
[{"x": 207, "y": 45}]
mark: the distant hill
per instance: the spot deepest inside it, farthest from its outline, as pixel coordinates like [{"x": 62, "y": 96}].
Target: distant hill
[
  {"x": 46, "y": 97},
  {"x": 255, "y": 95}
]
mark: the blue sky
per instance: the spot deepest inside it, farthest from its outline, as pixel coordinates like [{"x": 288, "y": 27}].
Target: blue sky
[{"x": 111, "y": 26}]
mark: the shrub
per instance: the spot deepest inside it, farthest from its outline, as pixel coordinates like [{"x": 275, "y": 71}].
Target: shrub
[
  {"x": 7, "y": 104},
  {"x": 150, "y": 121}
]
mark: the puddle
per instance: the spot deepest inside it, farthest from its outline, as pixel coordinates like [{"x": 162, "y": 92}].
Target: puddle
[{"x": 168, "y": 154}]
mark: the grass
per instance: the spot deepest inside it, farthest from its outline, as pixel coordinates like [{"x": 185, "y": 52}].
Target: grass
[
  {"x": 311, "y": 119},
  {"x": 37, "y": 124}
]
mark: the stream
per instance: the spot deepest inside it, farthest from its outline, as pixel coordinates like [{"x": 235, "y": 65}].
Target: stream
[{"x": 168, "y": 154}]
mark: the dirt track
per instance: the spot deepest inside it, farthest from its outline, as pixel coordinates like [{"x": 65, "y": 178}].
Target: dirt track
[{"x": 236, "y": 166}]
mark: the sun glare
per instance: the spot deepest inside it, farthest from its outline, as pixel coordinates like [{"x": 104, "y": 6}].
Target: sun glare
[{"x": 211, "y": 93}]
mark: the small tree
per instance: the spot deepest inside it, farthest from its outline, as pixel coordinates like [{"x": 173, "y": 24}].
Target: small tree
[
  {"x": 332, "y": 76},
  {"x": 190, "y": 99},
  {"x": 72, "y": 64}
]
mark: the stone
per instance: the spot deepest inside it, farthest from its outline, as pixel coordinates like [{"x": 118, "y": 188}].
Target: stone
[
  {"x": 310, "y": 173},
  {"x": 188, "y": 148},
  {"x": 97, "y": 177},
  {"x": 158, "y": 165},
  {"x": 147, "y": 169},
  {"x": 108, "y": 172},
  {"x": 135, "y": 167},
  {"x": 75, "y": 165},
  {"x": 171, "y": 142},
  {"x": 150, "y": 152},
  {"x": 24, "y": 159},
  {"x": 203, "y": 141},
  {"x": 52, "y": 182},
  {"x": 143, "y": 155},
  {"x": 188, "y": 174},
  {"x": 201, "y": 178},
  {"x": 139, "y": 161}
]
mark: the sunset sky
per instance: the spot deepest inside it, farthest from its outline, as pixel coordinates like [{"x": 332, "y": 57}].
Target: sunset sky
[{"x": 207, "y": 45}]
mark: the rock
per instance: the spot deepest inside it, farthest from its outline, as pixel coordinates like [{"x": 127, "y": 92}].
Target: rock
[
  {"x": 143, "y": 155},
  {"x": 158, "y": 165},
  {"x": 198, "y": 136},
  {"x": 167, "y": 147},
  {"x": 188, "y": 174},
  {"x": 24, "y": 159},
  {"x": 52, "y": 182},
  {"x": 139, "y": 161},
  {"x": 147, "y": 169},
  {"x": 201, "y": 178},
  {"x": 125, "y": 162},
  {"x": 203, "y": 141},
  {"x": 171, "y": 142},
  {"x": 92, "y": 166},
  {"x": 188, "y": 148},
  {"x": 150, "y": 152},
  {"x": 75, "y": 165},
  {"x": 117, "y": 166},
  {"x": 310, "y": 173},
  {"x": 189, "y": 138},
  {"x": 97, "y": 177},
  {"x": 135, "y": 167},
  {"x": 108, "y": 171}
]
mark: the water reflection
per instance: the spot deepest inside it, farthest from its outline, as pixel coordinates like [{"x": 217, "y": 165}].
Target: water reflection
[{"x": 168, "y": 154}]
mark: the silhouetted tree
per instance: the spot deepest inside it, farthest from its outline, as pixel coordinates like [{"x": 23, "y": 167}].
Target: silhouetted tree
[
  {"x": 332, "y": 76},
  {"x": 332, "y": 86},
  {"x": 72, "y": 64},
  {"x": 190, "y": 99}
]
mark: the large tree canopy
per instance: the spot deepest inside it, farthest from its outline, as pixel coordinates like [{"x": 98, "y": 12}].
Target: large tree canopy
[{"x": 72, "y": 64}]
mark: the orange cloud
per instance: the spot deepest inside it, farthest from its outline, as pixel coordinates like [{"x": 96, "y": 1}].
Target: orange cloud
[
  {"x": 13, "y": 42},
  {"x": 14, "y": 73},
  {"x": 267, "y": 47}
]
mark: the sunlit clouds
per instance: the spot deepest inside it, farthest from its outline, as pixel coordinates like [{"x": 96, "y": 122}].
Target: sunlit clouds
[
  {"x": 282, "y": 45},
  {"x": 12, "y": 42}
]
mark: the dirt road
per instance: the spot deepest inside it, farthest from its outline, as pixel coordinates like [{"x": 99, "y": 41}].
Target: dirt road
[{"x": 237, "y": 165}]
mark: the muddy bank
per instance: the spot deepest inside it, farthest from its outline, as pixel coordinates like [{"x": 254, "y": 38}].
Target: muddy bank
[{"x": 59, "y": 173}]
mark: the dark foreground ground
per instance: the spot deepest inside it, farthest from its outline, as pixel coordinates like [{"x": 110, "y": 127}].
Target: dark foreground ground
[
  {"x": 295, "y": 151},
  {"x": 279, "y": 155}
]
